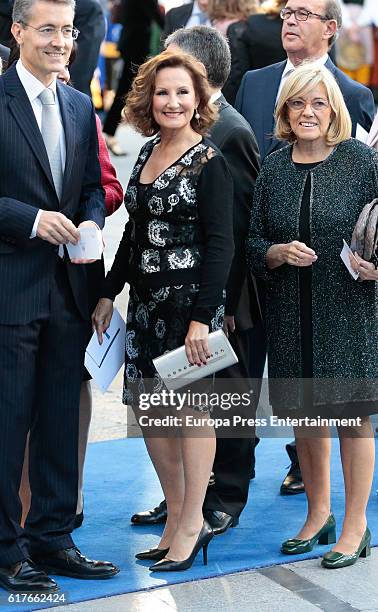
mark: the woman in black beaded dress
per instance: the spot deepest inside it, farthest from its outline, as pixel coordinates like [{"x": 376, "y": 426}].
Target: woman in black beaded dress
[
  {"x": 322, "y": 325},
  {"x": 175, "y": 252}
]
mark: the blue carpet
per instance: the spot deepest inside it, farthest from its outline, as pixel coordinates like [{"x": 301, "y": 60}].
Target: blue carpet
[{"x": 120, "y": 480}]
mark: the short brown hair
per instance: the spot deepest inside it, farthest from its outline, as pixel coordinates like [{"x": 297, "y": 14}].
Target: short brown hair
[
  {"x": 138, "y": 109},
  {"x": 300, "y": 82}
]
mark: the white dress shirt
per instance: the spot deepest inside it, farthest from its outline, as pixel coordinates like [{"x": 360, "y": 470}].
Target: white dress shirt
[
  {"x": 289, "y": 68},
  {"x": 215, "y": 96},
  {"x": 195, "y": 17},
  {"x": 33, "y": 88}
]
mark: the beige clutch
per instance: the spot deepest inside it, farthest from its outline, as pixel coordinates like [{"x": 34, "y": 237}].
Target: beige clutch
[{"x": 176, "y": 371}]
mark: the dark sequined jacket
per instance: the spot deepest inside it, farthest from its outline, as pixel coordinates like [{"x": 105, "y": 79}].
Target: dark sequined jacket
[{"x": 344, "y": 311}]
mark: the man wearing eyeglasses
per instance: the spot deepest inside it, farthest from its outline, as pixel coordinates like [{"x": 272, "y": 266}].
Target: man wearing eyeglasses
[
  {"x": 309, "y": 30},
  {"x": 50, "y": 188}
]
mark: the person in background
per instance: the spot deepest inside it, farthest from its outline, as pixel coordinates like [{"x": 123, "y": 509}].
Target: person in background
[
  {"x": 175, "y": 253},
  {"x": 322, "y": 348},
  {"x": 6, "y": 7},
  {"x": 355, "y": 46},
  {"x": 262, "y": 36},
  {"x": 229, "y": 18},
  {"x": 134, "y": 46},
  {"x": 185, "y": 16},
  {"x": 307, "y": 34},
  {"x": 90, "y": 21}
]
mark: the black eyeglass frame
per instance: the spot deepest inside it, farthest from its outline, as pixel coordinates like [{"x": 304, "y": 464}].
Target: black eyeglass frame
[{"x": 286, "y": 13}]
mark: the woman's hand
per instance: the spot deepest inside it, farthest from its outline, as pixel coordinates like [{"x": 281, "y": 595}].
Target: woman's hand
[
  {"x": 365, "y": 269},
  {"x": 293, "y": 253},
  {"x": 101, "y": 317},
  {"x": 196, "y": 344}
]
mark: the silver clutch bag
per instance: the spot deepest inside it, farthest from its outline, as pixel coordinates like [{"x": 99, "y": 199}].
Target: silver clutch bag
[{"x": 176, "y": 371}]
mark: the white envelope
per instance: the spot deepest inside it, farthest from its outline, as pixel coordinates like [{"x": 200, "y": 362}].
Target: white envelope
[
  {"x": 90, "y": 245},
  {"x": 103, "y": 361},
  {"x": 361, "y": 133},
  {"x": 345, "y": 255}
]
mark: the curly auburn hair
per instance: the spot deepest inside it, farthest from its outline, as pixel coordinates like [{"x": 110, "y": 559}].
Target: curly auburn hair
[{"x": 138, "y": 108}]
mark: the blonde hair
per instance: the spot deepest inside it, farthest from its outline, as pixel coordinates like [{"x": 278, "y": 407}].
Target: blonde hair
[
  {"x": 231, "y": 9},
  {"x": 272, "y": 7},
  {"x": 299, "y": 83}
]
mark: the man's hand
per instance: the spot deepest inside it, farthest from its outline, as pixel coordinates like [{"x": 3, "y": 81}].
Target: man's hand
[
  {"x": 229, "y": 324},
  {"x": 56, "y": 228},
  {"x": 85, "y": 261},
  {"x": 101, "y": 317}
]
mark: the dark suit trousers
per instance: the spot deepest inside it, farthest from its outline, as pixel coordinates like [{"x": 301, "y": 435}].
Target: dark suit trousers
[
  {"x": 234, "y": 457},
  {"x": 130, "y": 69},
  {"x": 40, "y": 377}
]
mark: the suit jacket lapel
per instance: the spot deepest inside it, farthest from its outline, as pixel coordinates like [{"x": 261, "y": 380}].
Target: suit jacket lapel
[
  {"x": 22, "y": 111},
  {"x": 68, "y": 119},
  {"x": 268, "y": 98},
  {"x": 186, "y": 14}
]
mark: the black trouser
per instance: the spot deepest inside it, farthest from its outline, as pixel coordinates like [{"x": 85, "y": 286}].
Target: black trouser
[
  {"x": 130, "y": 68},
  {"x": 234, "y": 457},
  {"x": 40, "y": 377}
]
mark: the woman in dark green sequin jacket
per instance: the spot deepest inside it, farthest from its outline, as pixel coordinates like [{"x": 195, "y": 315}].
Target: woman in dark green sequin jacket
[{"x": 322, "y": 325}]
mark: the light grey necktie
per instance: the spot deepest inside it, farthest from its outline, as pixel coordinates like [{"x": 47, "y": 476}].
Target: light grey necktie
[{"x": 51, "y": 129}]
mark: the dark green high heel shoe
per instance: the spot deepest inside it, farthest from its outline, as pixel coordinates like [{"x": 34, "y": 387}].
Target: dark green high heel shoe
[
  {"x": 334, "y": 559},
  {"x": 325, "y": 535}
]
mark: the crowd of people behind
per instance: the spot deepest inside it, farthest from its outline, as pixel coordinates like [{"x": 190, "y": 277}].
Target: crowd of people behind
[{"x": 238, "y": 205}]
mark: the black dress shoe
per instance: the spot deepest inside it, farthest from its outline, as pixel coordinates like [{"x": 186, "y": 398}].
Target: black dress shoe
[
  {"x": 70, "y": 562},
  {"x": 293, "y": 483},
  {"x": 168, "y": 565},
  {"x": 220, "y": 521},
  {"x": 151, "y": 517},
  {"x": 24, "y": 577},
  {"x": 155, "y": 554}
]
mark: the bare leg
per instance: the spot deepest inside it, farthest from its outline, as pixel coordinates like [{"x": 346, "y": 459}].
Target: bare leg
[
  {"x": 314, "y": 447},
  {"x": 85, "y": 414},
  {"x": 357, "y": 451},
  {"x": 24, "y": 492},
  {"x": 165, "y": 454},
  {"x": 198, "y": 456}
]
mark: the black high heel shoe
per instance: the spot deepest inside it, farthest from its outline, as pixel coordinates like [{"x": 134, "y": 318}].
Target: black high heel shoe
[
  {"x": 154, "y": 554},
  {"x": 167, "y": 565}
]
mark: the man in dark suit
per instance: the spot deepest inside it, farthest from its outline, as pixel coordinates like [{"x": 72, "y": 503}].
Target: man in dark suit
[
  {"x": 50, "y": 183},
  {"x": 6, "y": 21},
  {"x": 134, "y": 46},
  {"x": 90, "y": 20},
  {"x": 185, "y": 16},
  {"x": 308, "y": 32},
  {"x": 305, "y": 38},
  {"x": 234, "y": 460}
]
